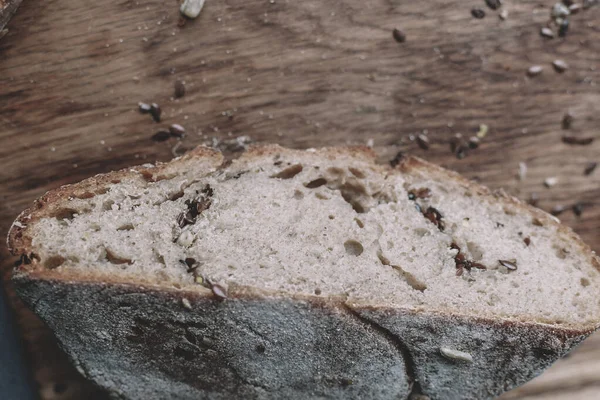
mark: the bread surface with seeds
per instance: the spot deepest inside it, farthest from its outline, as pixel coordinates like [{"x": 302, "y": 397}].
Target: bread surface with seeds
[{"x": 303, "y": 274}]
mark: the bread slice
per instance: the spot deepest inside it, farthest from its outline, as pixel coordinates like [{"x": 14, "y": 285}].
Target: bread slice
[{"x": 303, "y": 274}]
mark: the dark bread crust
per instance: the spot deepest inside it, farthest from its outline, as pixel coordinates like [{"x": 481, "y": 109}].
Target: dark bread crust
[
  {"x": 7, "y": 9},
  {"x": 141, "y": 342},
  {"x": 77, "y": 306}
]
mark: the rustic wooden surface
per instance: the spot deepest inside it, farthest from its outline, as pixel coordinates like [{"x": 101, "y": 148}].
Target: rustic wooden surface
[{"x": 303, "y": 74}]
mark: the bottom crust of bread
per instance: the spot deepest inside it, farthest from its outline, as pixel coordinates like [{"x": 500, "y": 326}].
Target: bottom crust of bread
[{"x": 148, "y": 343}]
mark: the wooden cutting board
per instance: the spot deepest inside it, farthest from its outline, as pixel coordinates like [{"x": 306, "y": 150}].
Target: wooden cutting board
[{"x": 304, "y": 74}]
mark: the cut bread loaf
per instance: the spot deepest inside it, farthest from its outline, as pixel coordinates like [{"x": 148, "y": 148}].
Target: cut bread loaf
[{"x": 303, "y": 274}]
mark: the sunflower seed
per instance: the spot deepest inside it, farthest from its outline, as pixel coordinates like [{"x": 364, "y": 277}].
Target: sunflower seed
[
  {"x": 399, "y": 36},
  {"x": 534, "y": 70},
  {"x": 547, "y": 33},
  {"x": 509, "y": 264},
  {"x": 191, "y": 8},
  {"x": 560, "y": 66},
  {"x": 477, "y": 13}
]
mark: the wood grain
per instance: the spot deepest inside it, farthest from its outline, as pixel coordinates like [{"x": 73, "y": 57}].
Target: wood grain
[{"x": 303, "y": 74}]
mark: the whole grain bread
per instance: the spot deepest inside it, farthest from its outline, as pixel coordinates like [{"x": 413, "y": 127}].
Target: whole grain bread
[{"x": 302, "y": 274}]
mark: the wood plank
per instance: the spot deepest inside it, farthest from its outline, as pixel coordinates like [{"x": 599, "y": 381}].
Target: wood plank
[{"x": 303, "y": 74}]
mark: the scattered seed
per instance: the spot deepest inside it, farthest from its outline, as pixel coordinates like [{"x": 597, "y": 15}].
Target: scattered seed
[
  {"x": 435, "y": 217},
  {"x": 547, "y": 33},
  {"x": 191, "y": 8},
  {"x": 557, "y": 209},
  {"x": 181, "y": 22},
  {"x": 397, "y": 159},
  {"x": 422, "y": 193},
  {"x": 186, "y": 303},
  {"x": 578, "y": 209},
  {"x": 522, "y": 171},
  {"x": 399, "y": 36},
  {"x": 477, "y": 13},
  {"x": 503, "y": 15},
  {"x": 474, "y": 142},
  {"x": 155, "y": 111},
  {"x": 161, "y": 136},
  {"x": 190, "y": 263},
  {"x": 574, "y": 8},
  {"x": 509, "y": 264},
  {"x": 551, "y": 181},
  {"x": 456, "y": 355},
  {"x": 563, "y": 28},
  {"x": 219, "y": 291},
  {"x": 589, "y": 168},
  {"x": 179, "y": 89},
  {"x": 560, "y": 66},
  {"x": 527, "y": 241},
  {"x": 533, "y": 199},
  {"x": 493, "y": 4},
  {"x": 577, "y": 140},
  {"x": 177, "y": 130},
  {"x": 559, "y": 10},
  {"x": 144, "y": 108},
  {"x": 483, "y": 130},
  {"x": 567, "y": 120},
  {"x": 534, "y": 70},
  {"x": 423, "y": 142}
]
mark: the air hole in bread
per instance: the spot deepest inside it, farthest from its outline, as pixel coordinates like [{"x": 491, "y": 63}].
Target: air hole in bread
[
  {"x": 176, "y": 195},
  {"x": 316, "y": 183},
  {"x": 356, "y": 206},
  {"x": 585, "y": 282},
  {"x": 560, "y": 251},
  {"x": 103, "y": 190},
  {"x": 336, "y": 171},
  {"x": 318, "y": 291},
  {"x": 54, "y": 262},
  {"x": 332, "y": 217},
  {"x": 298, "y": 195},
  {"x": 475, "y": 250},
  {"x": 65, "y": 213},
  {"x": 357, "y": 172},
  {"x": 126, "y": 227},
  {"x": 107, "y": 205},
  {"x": 509, "y": 211},
  {"x": 353, "y": 247},
  {"x": 289, "y": 172},
  {"x": 115, "y": 181},
  {"x": 421, "y": 231},
  {"x": 115, "y": 259},
  {"x": 321, "y": 196}
]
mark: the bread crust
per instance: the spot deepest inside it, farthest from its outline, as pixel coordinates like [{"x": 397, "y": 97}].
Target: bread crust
[
  {"x": 7, "y": 9},
  {"x": 413, "y": 346}
]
